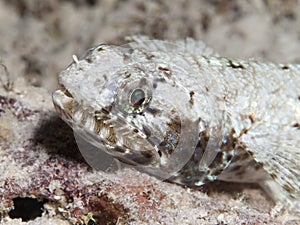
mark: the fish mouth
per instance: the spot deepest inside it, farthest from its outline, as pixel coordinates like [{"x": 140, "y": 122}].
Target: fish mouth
[{"x": 63, "y": 102}]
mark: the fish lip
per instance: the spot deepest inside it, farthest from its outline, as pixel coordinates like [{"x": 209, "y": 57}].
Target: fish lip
[
  {"x": 59, "y": 94},
  {"x": 63, "y": 102}
]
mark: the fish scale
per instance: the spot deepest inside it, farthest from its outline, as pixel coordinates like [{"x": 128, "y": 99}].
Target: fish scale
[{"x": 180, "y": 112}]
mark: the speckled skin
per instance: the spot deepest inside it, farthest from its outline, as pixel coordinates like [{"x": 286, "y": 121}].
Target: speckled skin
[{"x": 202, "y": 118}]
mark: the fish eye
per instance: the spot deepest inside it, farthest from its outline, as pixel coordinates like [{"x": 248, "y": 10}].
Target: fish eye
[
  {"x": 134, "y": 95},
  {"x": 137, "y": 97}
]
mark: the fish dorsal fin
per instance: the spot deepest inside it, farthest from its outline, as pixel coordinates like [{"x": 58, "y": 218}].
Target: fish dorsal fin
[{"x": 187, "y": 46}]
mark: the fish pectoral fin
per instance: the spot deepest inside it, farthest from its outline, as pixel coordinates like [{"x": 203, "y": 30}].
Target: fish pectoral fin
[{"x": 277, "y": 153}]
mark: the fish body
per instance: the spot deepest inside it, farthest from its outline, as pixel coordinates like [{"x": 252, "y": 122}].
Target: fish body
[{"x": 180, "y": 112}]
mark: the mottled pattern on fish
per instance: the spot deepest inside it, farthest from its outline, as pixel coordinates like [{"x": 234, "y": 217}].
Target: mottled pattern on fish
[{"x": 180, "y": 112}]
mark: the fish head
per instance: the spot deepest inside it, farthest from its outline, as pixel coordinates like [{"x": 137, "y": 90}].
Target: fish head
[{"x": 126, "y": 104}]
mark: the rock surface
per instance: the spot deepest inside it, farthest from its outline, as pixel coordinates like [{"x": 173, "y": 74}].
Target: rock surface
[{"x": 40, "y": 165}]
